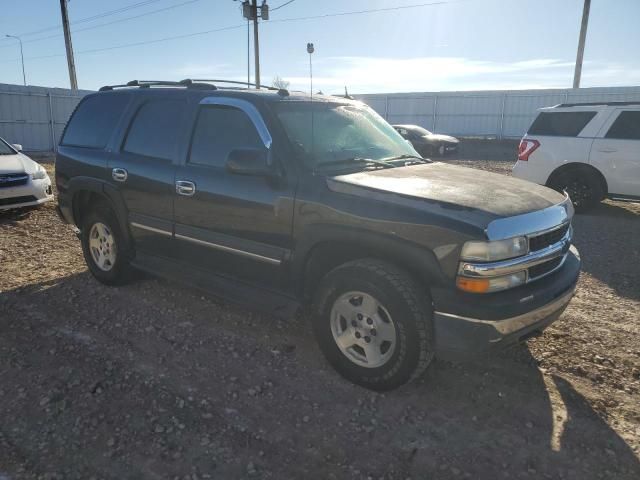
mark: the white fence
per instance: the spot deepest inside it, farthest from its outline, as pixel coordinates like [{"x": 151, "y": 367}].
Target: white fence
[
  {"x": 35, "y": 116},
  {"x": 495, "y": 113}
]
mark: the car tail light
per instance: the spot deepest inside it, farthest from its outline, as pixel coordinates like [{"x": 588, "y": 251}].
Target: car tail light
[{"x": 526, "y": 148}]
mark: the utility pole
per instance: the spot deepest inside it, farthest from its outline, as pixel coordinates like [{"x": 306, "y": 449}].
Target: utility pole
[
  {"x": 67, "y": 41},
  {"x": 24, "y": 77},
  {"x": 250, "y": 12},
  {"x": 256, "y": 42},
  {"x": 583, "y": 36}
]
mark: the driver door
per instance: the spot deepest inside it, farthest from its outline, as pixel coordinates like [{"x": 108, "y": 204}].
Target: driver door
[{"x": 236, "y": 225}]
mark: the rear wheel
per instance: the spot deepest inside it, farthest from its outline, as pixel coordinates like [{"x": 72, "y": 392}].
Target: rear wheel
[
  {"x": 583, "y": 187},
  {"x": 373, "y": 324},
  {"x": 104, "y": 248}
]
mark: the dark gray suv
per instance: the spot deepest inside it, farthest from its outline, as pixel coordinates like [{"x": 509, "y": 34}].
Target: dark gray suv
[{"x": 278, "y": 200}]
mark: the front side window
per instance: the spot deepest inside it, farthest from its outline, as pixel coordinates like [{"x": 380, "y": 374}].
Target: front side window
[
  {"x": 219, "y": 130},
  {"x": 331, "y": 133},
  {"x": 560, "y": 124},
  {"x": 94, "y": 120},
  {"x": 154, "y": 130},
  {"x": 626, "y": 126}
]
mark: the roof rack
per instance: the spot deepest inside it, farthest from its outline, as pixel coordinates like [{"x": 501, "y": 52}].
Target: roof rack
[
  {"x": 189, "y": 83},
  {"x": 593, "y": 104},
  {"x": 160, "y": 83}
]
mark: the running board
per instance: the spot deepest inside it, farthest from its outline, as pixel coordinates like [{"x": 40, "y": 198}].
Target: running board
[{"x": 225, "y": 288}]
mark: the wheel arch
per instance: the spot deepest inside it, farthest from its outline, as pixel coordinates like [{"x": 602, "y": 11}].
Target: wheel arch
[
  {"x": 87, "y": 193},
  {"x": 330, "y": 251},
  {"x": 584, "y": 167}
]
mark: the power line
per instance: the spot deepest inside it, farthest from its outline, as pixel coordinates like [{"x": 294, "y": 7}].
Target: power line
[
  {"x": 93, "y": 17},
  {"x": 171, "y": 7},
  {"x": 373, "y": 10},
  {"x": 232, "y": 27},
  {"x": 283, "y": 5}
]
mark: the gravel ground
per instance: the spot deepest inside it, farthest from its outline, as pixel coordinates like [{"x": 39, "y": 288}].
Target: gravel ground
[{"x": 153, "y": 380}]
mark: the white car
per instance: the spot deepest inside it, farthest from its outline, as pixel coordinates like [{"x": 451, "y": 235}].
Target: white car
[
  {"x": 23, "y": 182},
  {"x": 589, "y": 150}
]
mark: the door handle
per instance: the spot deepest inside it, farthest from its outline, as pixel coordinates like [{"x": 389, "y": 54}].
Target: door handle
[
  {"x": 119, "y": 174},
  {"x": 186, "y": 188},
  {"x": 608, "y": 150}
]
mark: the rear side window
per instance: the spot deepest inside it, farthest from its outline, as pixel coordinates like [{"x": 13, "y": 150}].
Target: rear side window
[
  {"x": 626, "y": 126},
  {"x": 154, "y": 130},
  {"x": 94, "y": 121},
  {"x": 220, "y": 129},
  {"x": 560, "y": 124}
]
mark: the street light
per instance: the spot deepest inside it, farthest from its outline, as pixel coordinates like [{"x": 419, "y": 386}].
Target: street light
[{"x": 24, "y": 78}]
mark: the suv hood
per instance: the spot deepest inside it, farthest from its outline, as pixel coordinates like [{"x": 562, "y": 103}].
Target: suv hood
[
  {"x": 470, "y": 195},
  {"x": 17, "y": 163}
]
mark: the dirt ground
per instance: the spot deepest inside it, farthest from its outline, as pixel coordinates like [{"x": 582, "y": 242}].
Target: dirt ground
[{"x": 154, "y": 380}]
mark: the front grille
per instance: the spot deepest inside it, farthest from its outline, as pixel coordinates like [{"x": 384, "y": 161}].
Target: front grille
[
  {"x": 544, "y": 268},
  {"x": 13, "y": 179},
  {"x": 544, "y": 240},
  {"x": 16, "y": 200}
]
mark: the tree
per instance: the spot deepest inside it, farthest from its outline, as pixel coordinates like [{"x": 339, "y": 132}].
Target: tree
[{"x": 280, "y": 82}]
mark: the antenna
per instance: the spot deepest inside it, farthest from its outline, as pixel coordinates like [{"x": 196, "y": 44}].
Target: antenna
[{"x": 310, "y": 50}]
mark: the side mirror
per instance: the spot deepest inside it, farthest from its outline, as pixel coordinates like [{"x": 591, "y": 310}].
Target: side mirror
[
  {"x": 249, "y": 161},
  {"x": 17, "y": 146}
]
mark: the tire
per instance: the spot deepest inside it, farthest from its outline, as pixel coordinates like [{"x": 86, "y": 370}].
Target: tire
[
  {"x": 395, "y": 328},
  {"x": 442, "y": 151},
  {"x": 583, "y": 187},
  {"x": 101, "y": 230}
]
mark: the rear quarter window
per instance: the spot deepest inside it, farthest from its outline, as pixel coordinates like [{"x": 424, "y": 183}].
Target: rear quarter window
[
  {"x": 560, "y": 124},
  {"x": 626, "y": 126},
  {"x": 94, "y": 120}
]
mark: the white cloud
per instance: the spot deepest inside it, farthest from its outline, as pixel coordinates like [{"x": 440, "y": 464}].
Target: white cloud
[
  {"x": 369, "y": 74},
  {"x": 378, "y": 74}
]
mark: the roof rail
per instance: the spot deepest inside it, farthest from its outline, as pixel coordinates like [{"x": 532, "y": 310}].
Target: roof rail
[
  {"x": 281, "y": 91},
  {"x": 188, "y": 83},
  {"x": 593, "y": 104}
]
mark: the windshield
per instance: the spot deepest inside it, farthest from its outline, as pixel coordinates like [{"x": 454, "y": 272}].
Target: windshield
[
  {"x": 342, "y": 134},
  {"x": 5, "y": 149}
]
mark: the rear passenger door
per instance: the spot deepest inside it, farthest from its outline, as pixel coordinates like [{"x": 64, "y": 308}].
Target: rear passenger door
[
  {"x": 144, "y": 170},
  {"x": 617, "y": 153},
  {"x": 236, "y": 225}
]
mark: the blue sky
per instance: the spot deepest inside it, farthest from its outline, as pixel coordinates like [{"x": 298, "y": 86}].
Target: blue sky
[{"x": 455, "y": 45}]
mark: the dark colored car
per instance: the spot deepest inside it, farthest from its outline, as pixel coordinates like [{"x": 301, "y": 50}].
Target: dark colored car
[
  {"x": 426, "y": 143},
  {"x": 281, "y": 201}
]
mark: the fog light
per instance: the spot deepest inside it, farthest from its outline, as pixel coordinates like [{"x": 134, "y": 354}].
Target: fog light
[{"x": 491, "y": 284}]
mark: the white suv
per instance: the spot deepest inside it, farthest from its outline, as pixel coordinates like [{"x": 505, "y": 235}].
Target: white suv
[{"x": 589, "y": 150}]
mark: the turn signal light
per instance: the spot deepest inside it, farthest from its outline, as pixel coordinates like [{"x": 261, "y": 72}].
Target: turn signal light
[{"x": 473, "y": 285}]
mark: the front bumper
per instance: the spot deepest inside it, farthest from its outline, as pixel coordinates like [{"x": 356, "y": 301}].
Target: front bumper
[
  {"x": 470, "y": 324},
  {"x": 34, "y": 192}
]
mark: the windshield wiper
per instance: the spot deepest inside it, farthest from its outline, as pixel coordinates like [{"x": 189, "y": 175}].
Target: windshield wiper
[
  {"x": 352, "y": 160},
  {"x": 406, "y": 157}
]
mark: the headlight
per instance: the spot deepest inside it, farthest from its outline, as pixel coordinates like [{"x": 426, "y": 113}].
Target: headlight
[
  {"x": 491, "y": 284},
  {"x": 495, "y": 250},
  {"x": 39, "y": 174}
]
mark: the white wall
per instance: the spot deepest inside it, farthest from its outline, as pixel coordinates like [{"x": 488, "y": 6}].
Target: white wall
[{"x": 35, "y": 116}]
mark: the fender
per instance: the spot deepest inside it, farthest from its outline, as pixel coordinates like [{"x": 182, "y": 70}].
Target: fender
[
  {"x": 419, "y": 260},
  {"x": 106, "y": 191}
]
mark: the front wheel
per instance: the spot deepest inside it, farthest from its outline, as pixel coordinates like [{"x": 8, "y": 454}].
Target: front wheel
[{"x": 373, "y": 324}]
